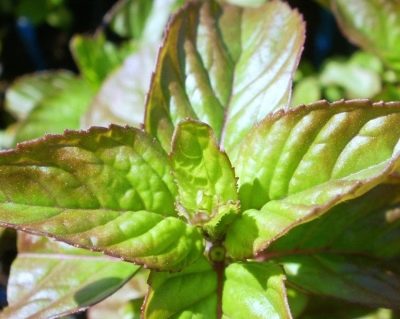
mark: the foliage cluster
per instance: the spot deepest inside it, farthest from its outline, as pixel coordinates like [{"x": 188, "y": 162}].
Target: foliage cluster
[{"x": 221, "y": 198}]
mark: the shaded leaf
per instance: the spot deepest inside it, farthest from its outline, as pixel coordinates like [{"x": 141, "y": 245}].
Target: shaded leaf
[
  {"x": 255, "y": 290},
  {"x": 299, "y": 164},
  {"x": 29, "y": 91},
  {"x": 190, "y": 293},
  {"x": 96, "y": 57},
  {"x": 368, "y": 225},
  {"x": 105, "y": 189},
  {"x": 225, "y": 66},
  {"x": 39, "y": 288},
  {"x": 60, "y": 108},
  {"x": 125, "y": 303},
  {"x": 374, "y": 25},
  {"x": 359, "y": 279},
  {"x": 205, "y": 178}
]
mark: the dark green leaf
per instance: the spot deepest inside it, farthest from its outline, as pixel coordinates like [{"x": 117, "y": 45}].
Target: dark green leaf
[
  {"x": 225, "y": 66},
  {"x": 205, "y": 178},
  {"x": 356, "y": 279},
  {"x": 105, "y": 189}
]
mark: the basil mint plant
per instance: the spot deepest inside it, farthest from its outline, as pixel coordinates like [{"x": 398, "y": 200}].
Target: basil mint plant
[{"x": 239, "y": 206}]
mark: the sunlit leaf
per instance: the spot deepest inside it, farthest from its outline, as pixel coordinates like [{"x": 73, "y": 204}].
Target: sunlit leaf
[
  {"x": 299, "y": 164},
  {"x": 105, "y": 189},
  {"x": 255, "y": 290},
  {"x": 225, "y": 66},
  {"x": 205, "y": 178}
]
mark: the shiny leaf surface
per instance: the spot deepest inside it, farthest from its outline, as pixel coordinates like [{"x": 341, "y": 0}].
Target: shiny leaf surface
[
  {"x": 225, "y": 66},
  {"x": 205, "y": 177},
  {"x": 171, "y": 294},
  {"x": 39, "y": 288},
  {"x": 116, "y": 180},
  {"x": 352, "y": 145},
  {"x": 255, "y": 290}
]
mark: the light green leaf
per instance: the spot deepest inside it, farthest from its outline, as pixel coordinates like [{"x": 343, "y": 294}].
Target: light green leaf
[
  {"x": 28, "y": 91},
  {"x": 247, "y": 3},
  {"x": 60, "y": 108},
  {"x": 255, "y": 290},
  {"x": 121, "y": 97},
  {"x": 141, "y": 20},
  {"x": 190, "y": 293},
  {"x": 38, "y": 286},
  {"x": 105, "y": 189},
  {"x": 306, "y": 91},
  {"x": 299, "y": 164},
  {"x": 225, "y": 66},
  {"x": 374, "y": 25},
  {"x": 96, "y": 57},
  {"x": 356, "y": 279},
  {"x": 205, "y": 178}
]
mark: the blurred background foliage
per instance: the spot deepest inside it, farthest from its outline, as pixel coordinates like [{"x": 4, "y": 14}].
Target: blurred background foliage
[{"x": 70, "y": 64}]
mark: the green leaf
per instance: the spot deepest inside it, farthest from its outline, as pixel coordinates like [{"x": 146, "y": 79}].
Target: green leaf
[
  {"x": 297, "y": 165},
  {"x": 29, "y": 91},
  {"x": 141, "y": 20},
  {"x": 121, "y": 97},
  {"x": 329, "y": 308},
  {"x": 60, "y": 108},
  {"x": 96, "y": 57},
  {"x": 368, "y": 225},
  {"x": 359, "y": 279},
  {"x": 105, "y": 189},
  {"x": 125, "y": 303},
  {"x": 374, "y": 25},
  {"x": 225, "y": 66},
  {"x": 247, "y": 3},
  {"x": 39, "y": 288},
  {"x": 205, "y": 178},
  {"x": 307, "y": 90},
  {"x": 255, "y": 290},
  {"x": 190, "y": 293}
]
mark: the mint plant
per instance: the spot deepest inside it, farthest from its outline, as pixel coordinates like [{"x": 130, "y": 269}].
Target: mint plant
[{"x": 239, "y": 206}]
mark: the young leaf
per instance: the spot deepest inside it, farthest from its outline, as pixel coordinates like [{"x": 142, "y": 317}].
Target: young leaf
[
  {"x": 38, "y": 286},
  {"x": 374, "y": 25},
  {"x": 355, "y": 279},
  {"x": 303, "y": 162},
  {"x": 225, "y": 66},
  {"x": 205, "y": 178},
  {"x": 186, "y": 294},
  {"x": 255, "y": 290},
  {"x": 105, "y": 189}
]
